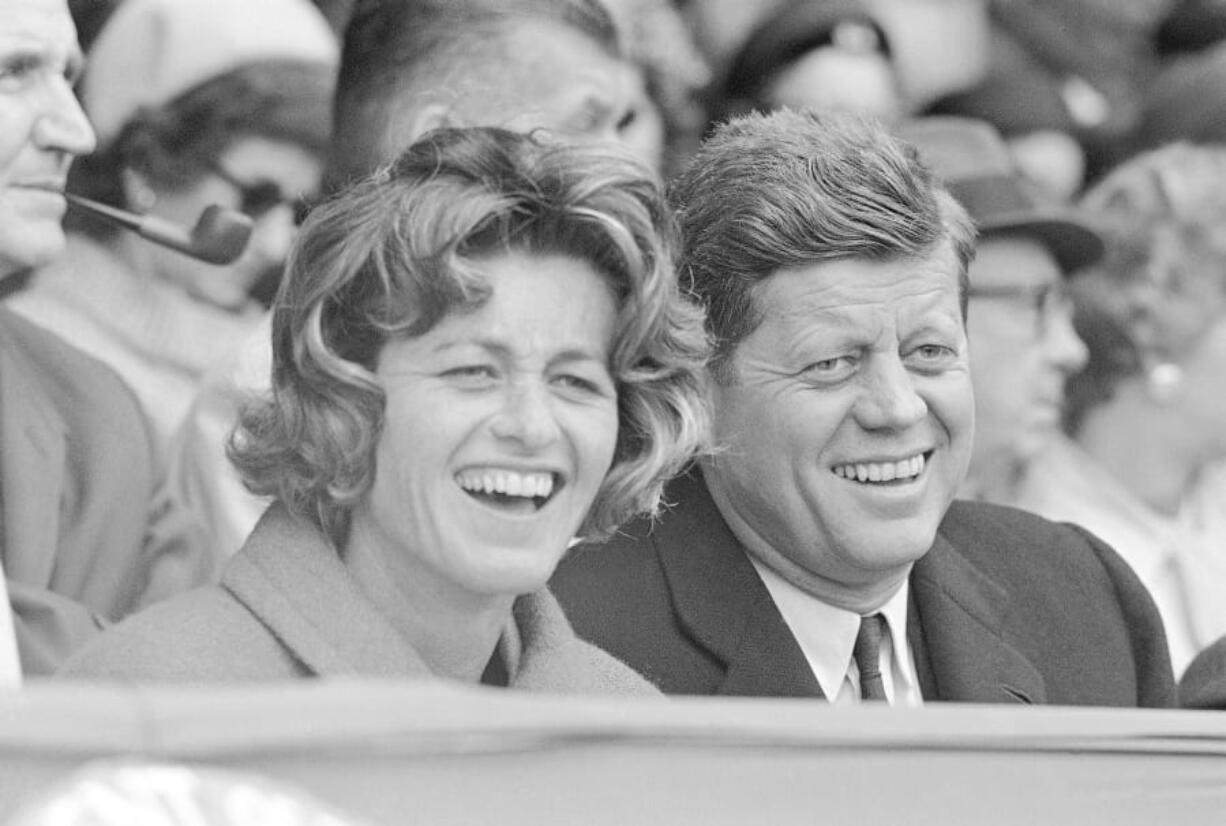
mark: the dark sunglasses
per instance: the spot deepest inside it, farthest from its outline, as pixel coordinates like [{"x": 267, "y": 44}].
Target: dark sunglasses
[{"x": 258, "y": 198}]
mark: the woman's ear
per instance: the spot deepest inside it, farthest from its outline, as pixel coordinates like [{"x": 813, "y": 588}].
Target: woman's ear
[{"x": 138, "y": 195}]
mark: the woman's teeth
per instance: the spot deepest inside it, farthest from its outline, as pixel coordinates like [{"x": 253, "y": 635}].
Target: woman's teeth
[
  {"x": 507, "y": 483},
  {"x": 882, "y": 471}
]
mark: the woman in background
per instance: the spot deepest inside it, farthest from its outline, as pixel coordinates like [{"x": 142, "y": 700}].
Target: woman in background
[
  {"x": 480, "y": 353},
  {"x": 1147, "y": 416}
]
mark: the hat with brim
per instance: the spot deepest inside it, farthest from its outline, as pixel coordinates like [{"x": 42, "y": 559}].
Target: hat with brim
[
  {"x": 796, "y": 29},
  {"x": 972, "y": 160}
]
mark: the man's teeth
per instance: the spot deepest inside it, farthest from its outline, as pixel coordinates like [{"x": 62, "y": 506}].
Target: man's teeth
[
  {"x": 507, "y": 483},
  {"x": 882, "y": 471}
]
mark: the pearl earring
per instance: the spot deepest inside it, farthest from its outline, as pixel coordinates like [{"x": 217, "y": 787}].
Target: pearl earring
[{"x": 1164, "y": 382}]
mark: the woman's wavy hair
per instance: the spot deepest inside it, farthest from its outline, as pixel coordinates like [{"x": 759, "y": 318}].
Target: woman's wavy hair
[{"x": 395, "y": 253}]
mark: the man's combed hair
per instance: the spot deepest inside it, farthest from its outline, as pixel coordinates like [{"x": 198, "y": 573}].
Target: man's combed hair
[
  {"x": 394, "y": 254},
  {"x": 791, "y": 189}
]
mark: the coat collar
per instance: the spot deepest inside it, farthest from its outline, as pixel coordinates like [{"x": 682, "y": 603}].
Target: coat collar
[
  {"x": 290, "y": 577},
  {"x": 954, "y": 626},
  {"x": 32, "y": 464},
  {"x": 722, "y": 603}
]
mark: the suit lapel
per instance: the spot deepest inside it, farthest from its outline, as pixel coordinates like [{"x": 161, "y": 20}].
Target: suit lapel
[
  {"x": 721, "y": 602},
  {"x": 958, "y": 640},
  {"x": 31, "y": 470}
]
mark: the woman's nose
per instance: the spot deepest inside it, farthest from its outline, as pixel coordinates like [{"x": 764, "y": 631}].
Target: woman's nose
[{"x": 527, "y": 417}]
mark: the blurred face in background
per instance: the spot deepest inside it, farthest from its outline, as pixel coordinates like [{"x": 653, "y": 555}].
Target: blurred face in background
[
  {"x": 1022, "y": 347},
  {"x": 267, "y": 180},
  {"x": 558, "y": 79},
  {"x": 42, "y": 128}
]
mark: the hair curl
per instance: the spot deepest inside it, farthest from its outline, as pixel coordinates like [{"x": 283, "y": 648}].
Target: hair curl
[
  {"x": 790, "y": 189},
  {"x": 400, "y": 250}
]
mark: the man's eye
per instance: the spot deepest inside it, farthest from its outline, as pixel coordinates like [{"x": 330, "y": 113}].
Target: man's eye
[
  {"x": 17, "y": 69},
  {"x": 932, "y": 356},
  {"x": 831, "y": 369}
]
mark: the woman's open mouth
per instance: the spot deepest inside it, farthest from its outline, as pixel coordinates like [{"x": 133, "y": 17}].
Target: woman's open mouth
[{"x": 510, "y": 490}]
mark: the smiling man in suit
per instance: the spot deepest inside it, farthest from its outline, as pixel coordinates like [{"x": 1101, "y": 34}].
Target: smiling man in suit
[{"x": 818, "y": 550}]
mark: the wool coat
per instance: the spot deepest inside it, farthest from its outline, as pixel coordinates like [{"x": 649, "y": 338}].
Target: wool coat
[
  {"x": 88, "y": 531},
  {"x": 1005, "y": 607},
  {"x": 287, "y": 607}
]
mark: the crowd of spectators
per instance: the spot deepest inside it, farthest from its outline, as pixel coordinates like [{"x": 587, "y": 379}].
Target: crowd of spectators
[{"x": 867, "y": 291}]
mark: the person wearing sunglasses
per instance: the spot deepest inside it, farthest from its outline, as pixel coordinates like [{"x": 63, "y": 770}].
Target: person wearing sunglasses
[
  {"x": 195, "y": 102},
  {"x": 1019, "y": 318}
]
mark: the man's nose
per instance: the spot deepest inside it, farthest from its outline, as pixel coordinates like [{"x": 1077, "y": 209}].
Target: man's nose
[
  {"x": 62, "y": 125},
  {"x": 888, "y": 398},
  {"x": 1064, "y": 347},
  {"x": 527, "y": 417}
]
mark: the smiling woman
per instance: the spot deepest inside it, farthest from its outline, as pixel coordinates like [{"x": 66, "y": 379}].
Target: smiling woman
[{"x": 480, "y": 352}]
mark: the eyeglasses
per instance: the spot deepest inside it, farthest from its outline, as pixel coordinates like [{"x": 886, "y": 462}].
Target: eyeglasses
[
  {"x": 1047, "y": 302},
  {"x": 258, "y": 198}
]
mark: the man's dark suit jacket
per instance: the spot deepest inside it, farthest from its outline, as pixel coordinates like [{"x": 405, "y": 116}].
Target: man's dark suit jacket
[{"x": 1005, "y": 607}]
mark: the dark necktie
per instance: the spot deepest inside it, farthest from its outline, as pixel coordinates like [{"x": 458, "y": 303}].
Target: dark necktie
[{"x": 867, "y": 657}]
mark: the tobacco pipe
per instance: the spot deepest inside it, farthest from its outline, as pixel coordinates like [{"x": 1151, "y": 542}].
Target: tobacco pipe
[{"x": 219, "y": 236}]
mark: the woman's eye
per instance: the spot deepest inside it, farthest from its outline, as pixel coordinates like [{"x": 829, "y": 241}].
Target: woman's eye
[
  {"x": 471, "y": 373},
  {"x": 579, "y": 383}
]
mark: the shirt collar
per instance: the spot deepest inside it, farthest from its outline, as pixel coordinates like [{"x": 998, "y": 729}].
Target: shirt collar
[{"x": 827, "y": 634}]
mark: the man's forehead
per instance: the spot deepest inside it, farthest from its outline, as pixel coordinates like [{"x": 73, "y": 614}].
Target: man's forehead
[{"x": 38, "y": 22}]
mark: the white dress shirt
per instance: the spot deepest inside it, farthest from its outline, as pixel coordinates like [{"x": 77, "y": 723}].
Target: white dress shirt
[{"x": 827, "y": 636}]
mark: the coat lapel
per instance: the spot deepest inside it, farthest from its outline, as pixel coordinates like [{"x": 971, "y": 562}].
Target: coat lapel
[
  {"x": 721, "y": 602},
  {"x": 31, "y": 470},
  {"x": 958, "y": 640},
  {"x": 294, "y": 581}
]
